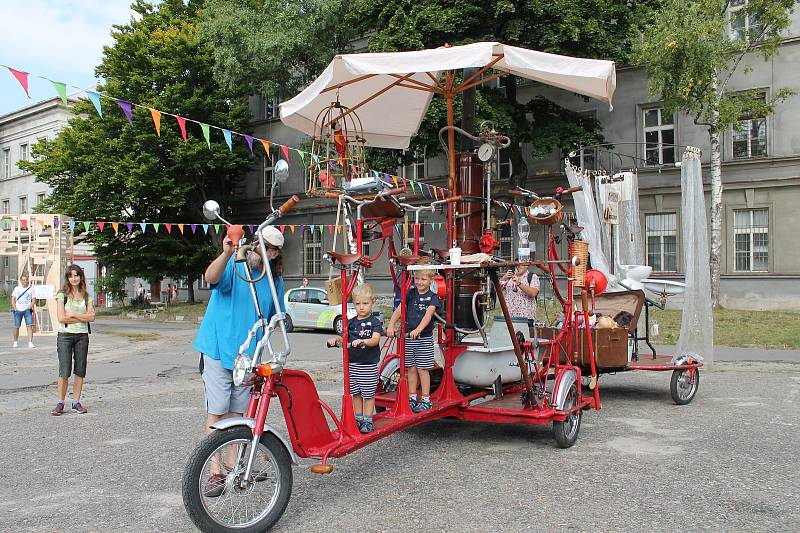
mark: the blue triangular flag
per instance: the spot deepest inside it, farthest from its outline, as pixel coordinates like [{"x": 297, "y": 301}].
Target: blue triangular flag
[
  {"x": 205, "y": 228},
  {"x": 71, "y": 225},
  {"x": 143, "y": 225},
  {"x": 95, "y": 98},
  {"x": 228, "y": 141}
]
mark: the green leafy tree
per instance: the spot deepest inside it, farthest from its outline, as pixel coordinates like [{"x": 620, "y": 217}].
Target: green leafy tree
[
  {"x": 277, "y": 48},
  {"x": 106, "y": 169},
  {"x": 691, "y": 49}
]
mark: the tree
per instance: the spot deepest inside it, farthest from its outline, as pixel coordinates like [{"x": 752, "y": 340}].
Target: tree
[
  {"x": 258, "y": 40},
  {"x": 691, "y": 54},
  {"x": 106, "y": 169}
]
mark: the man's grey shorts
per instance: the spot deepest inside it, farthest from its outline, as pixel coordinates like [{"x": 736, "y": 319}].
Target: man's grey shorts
[{"x": 222, "y": 396}]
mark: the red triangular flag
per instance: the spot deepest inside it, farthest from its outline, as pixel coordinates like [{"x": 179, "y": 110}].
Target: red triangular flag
[
  {"x": 285, "y": 150},
  {"x": 182, "y": 125},
  {"x": 282, "y": 227},
  {"x": 22, "y": 78},
  {"x": 101, "y": 225},
  {"x": 169, "y": 227}
]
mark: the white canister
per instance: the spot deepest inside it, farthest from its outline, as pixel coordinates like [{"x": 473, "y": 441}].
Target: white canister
[{"x": 455, "y": 255}]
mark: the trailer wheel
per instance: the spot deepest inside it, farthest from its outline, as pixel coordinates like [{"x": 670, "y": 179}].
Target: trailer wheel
[
  {"x": 566, "y": 432},
  {"x": 683, "y": 385}
]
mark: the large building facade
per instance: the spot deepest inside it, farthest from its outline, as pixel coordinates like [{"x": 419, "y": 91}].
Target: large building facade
[
  {"x": 20, "y": 193},
  {"x": 761, "y": 176}
]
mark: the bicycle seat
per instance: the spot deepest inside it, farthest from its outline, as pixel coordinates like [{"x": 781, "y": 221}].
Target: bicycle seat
[
  {"x": 407, "y": 260},
  {"x": 345, "y": 259},
  {"x": 383, "y": 208}
]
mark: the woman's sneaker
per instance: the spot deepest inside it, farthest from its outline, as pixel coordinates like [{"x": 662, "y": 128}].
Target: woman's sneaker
[
  {"x": 367, "y": 426},
  {"x": 413, "y": 403},
  {"x": 78, "y": 408},
  {"x": 58, "y": 410}
]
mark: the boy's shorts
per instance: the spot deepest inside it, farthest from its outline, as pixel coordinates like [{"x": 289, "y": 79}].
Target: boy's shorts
[
  {"x": 363, "y": 380},
  {"x": 419, "y": 352},
  {"x": 222, "y": 396}
]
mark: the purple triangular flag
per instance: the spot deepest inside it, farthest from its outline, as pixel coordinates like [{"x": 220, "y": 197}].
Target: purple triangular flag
[
  {"x": 249, "y": 139},
  {"x": 126, "y": 108},
  {"x": 251, "y": 228},
  {"x": 129, "y": 225},
  {"x": 194, "y": 227}
]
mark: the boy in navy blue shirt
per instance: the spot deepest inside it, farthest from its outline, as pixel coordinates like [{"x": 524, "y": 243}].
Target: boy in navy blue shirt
[
  {"x": 421, "y": 303},
  {"x": 364, "y": 335}
]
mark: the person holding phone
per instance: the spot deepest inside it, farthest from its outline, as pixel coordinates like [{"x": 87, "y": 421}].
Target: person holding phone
[{"x": 520, "y": 289}]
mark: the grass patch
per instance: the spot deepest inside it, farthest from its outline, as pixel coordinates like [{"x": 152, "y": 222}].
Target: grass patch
[
  {"x": 134, "y": 336},
  {"x": 740, "y": 329},
  {"x": 5, "y": 301}
]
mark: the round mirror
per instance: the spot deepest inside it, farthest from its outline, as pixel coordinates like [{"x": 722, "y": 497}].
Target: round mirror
[
  {"x": 281, "y": 171},
  {"x": 211, "y": 210}
]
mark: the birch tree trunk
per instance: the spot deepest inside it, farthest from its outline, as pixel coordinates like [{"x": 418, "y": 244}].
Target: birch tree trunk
[{"x": 716, "y": 207}]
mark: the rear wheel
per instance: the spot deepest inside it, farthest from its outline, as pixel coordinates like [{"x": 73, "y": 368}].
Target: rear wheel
[
  {"x": 289, "y": 324},
  {"x": 566, "y": 432},
  {"x": 337, "y": 325},
  {"x": 215, "y": 494},
  {"x": 683, "y": 385}
]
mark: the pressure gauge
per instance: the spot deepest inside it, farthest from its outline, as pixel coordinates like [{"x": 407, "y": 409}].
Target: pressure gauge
[{"x": 486, "y": 152}]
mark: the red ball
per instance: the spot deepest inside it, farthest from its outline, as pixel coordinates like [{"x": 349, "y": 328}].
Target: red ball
[{"x": 597, "y": 280}]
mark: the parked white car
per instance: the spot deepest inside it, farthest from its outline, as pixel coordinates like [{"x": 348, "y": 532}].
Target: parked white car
[{"x": 308, "y": 307}]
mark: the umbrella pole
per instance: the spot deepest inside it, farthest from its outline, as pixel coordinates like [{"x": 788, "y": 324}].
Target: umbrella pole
[{"x": 451, "y": 207}]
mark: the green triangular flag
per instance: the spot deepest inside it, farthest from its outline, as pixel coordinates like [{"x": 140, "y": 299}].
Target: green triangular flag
[
  {"x": 302, "y": 156},
  {"x": 61, "y": 89},
  {"x": 412, "y": 185},
  {"x": 156, "y": 225},
  {"x": 86, "y": 225},
  {"x": 206, "y": 133},
  {"x": 216, "y": 228}
]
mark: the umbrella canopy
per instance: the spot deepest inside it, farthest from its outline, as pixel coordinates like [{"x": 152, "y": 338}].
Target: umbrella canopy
[{"x": 390, "y": 92}]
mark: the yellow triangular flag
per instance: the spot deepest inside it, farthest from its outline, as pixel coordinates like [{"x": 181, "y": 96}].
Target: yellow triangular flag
[
  {"x": 156, "y": 114},
  {"x": 180, "y": 227},
  {"x": 115, "y": 225},
  {"x": 266, "y": 148},
  {"x": 291, "y": 226}
]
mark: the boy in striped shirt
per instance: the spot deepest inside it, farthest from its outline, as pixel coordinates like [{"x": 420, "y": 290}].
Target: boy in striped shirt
[{"x": 364, "y": 335}]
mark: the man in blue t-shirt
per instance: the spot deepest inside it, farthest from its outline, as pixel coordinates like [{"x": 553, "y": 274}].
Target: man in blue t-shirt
[{"x": 229, "y": 317}]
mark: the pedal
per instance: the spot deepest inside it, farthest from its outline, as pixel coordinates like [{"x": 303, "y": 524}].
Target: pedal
[{"x": 321, "y": 469}]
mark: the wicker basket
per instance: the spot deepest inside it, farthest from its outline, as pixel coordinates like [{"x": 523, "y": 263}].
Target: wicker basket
[
  {"x": 548, "y": 204},
  {"x": 579, "y": 249},
  {"x": 334, "y": 289}
]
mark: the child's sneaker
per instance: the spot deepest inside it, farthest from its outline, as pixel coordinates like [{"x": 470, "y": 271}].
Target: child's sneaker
[
  {"x": 412, "y": 401},
  {"x": 367, "y": 426},
  {"x": 423, "y": 405},
  {"x": 78, "y": 408},
  {"x": 58, "y": 410}
]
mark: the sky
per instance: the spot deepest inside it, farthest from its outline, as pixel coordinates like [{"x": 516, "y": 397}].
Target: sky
[{"x": 61, "y": 40}]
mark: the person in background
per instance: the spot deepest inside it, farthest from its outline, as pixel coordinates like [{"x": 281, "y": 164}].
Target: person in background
[
  {"x": 520, "y": 289},
  {"x": 229, "y": 316},
  {"x": 174, "y": 294},
  {"x": 75, "y": 311},
  {"x": 305, "y": 282},
  {"x": 22, "y": 308}
]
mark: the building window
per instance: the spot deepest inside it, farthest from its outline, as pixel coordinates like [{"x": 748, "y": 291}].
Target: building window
[
  {"x": 267, "y": 174},
  {"x": 202, "y": 283},
  {"x": 750, "y": 136},
  {"x": 40, "y": 198},
  {"x": 23, "y": 204},
  {"x": 271, "y": 107},
  {"x": 751, "y": 239},
  {"x": 416, "y": 169},
  {"x": 662, "y": 241},
  {"x": 23, "y": 152},
  {"x": 743, "y": 26},
  {"x": 5, "y": 207},
  {"x": 659, "y": 137},
  {"x": 5, "y": 164},
  {"x": 506, "y": 168},
  {"x": 506, "y": 239},
  {"x": 312, "y": 251}
]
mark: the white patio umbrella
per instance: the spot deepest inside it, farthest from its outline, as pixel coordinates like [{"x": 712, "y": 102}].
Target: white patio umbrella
[{"x": 391, "y": 91}]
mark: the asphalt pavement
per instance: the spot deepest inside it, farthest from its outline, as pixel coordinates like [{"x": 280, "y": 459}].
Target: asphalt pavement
[{"x": 722, "y": 463}]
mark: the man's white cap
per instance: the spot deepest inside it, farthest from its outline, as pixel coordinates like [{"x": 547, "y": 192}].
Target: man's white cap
[{"x": 273, "y": 236}]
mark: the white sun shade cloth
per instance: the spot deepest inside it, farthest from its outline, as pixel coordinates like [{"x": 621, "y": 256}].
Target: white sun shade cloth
[{"x": 390, "y": 119}]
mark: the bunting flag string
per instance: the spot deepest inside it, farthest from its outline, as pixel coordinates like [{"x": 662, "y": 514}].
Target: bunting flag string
[{"x": 127, "y": 108}]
